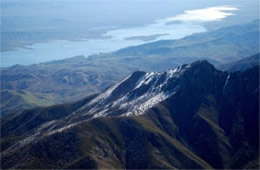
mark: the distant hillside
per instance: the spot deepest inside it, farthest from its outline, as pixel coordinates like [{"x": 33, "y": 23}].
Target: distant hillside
[
  {"x": 191, "y": 117},
  {"x": 71, "y": 79},
  {"x": 13, "y": 101},
  {"x": 242, "y": 64},
  {"x": 54, "y": 82},
  {"x": 223, "y": 45}
]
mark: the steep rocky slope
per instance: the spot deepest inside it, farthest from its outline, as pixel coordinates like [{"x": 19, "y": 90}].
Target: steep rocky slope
[{"x": 194, "y": 116}]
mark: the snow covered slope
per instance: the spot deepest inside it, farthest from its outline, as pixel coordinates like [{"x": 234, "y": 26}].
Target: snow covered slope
[{"x": 135, "y": 94}]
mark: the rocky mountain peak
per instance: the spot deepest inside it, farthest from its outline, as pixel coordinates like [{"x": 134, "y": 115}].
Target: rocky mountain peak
[
  {"x": 142, "y": 90},
  {"x": 202, "y": 117}
]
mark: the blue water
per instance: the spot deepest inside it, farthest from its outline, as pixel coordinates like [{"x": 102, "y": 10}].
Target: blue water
[
  {"x": 133, "y": 18},
  {"x": 61, "y": 49}
]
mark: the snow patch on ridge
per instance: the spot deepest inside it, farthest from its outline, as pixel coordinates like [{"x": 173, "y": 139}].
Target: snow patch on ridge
[
  {"x": 135, "y": 102},
  {"x": 149, "y": 90},
  {"x": 108, "y": 92},
  {"x": 227, "y": 80},
  {"x": 141, "y": 108}
]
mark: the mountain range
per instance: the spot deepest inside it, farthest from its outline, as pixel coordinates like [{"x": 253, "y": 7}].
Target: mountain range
[
  {"x": 68, "y": 80},
  {"x": 193, "y": 116},
  {"x": 241, "y": 65}
]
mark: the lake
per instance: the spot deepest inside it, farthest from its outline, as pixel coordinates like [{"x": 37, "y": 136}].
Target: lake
[{"x": 115, "y": 25}]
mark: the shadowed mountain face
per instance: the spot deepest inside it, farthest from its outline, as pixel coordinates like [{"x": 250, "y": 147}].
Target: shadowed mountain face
[
  {"x": 194, "y": 116},
  {"x": 68, "y": 80}
]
